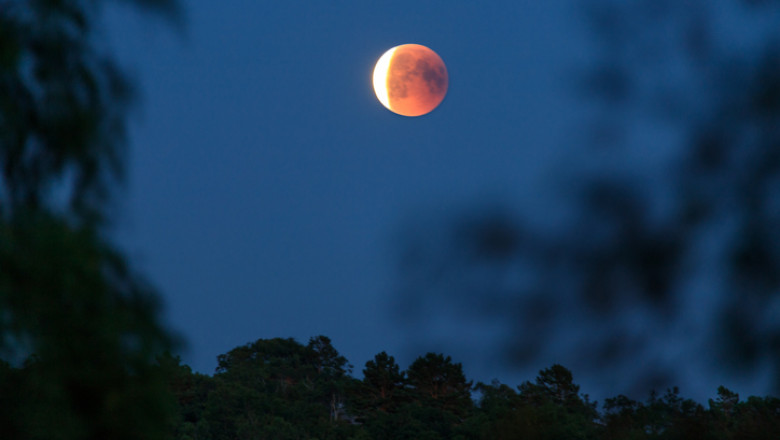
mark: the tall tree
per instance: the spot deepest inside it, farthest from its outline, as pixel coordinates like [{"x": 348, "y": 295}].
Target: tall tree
[
  {"x": 554, "y": 399},
  {"x": 382, "y": 385},
  {"x": 623, "y": 419},
  {"x": 435, "y": 379},
  {"x": 375, "y": 401},
  {"x": 332, "y": 370},
  {"x": 327, "y": 360},
  {"x": 440, "y": 395},
  {"x": 79, "y": 327}
]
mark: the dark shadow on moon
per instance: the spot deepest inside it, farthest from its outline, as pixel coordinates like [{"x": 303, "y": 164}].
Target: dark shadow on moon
[
  {"x": 413, "y": 68},
  {"x": 434, "y": 77}
]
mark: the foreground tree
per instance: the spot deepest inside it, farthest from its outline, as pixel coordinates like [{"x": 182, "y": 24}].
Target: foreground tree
[{"x": 79, "y": 328}]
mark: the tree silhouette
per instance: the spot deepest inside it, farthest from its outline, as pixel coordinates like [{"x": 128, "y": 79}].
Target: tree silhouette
[
  {"x": 435, "y": 380},
  {"x": 387, "y": 405},
  {"x": 279, "y": 388},
  {"x": 79, "y": 329},
  {"x": 382, "y": 387}
]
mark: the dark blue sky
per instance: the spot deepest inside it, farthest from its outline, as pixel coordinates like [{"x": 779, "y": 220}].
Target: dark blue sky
[
  {"x": 266, "y": 180},
  {"x": 268, "y": 186}
]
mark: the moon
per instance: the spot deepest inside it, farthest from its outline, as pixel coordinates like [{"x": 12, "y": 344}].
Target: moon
[{"x": 410, "y": 80}]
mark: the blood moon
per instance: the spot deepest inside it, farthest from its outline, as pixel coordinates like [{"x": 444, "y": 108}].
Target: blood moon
[{"x": 410, "y": 80}]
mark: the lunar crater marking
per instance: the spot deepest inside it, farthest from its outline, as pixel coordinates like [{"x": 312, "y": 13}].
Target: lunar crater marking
[{"x": 435, "y": 79}]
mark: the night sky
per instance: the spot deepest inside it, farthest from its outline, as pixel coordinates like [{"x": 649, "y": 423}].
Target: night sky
[{"x": 267, "y": 186}]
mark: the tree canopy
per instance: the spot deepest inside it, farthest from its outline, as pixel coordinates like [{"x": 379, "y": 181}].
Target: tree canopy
[{"x": 274, "y": 388}]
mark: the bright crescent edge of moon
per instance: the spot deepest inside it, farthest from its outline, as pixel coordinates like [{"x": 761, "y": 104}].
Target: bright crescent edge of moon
[{"x": 380, "y": 77}]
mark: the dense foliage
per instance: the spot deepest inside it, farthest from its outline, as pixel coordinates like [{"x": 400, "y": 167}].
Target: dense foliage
[
  {"x": 79, "y": 328},
  {"x": 282, "y": 389}
]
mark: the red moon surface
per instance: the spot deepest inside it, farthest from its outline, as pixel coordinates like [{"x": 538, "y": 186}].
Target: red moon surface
[{"x": 410, "y": 80}]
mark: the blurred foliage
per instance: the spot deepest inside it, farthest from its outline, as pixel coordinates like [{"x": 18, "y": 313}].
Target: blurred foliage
[
  {"x": 669, "y": 240},
  {"x": 88, "y": 329},
  {"x": 63, "y": 105},
  {"x": 79, "y": 329}
]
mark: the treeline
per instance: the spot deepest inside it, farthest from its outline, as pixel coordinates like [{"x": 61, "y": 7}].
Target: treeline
[{"x": 282, "y": 389}]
